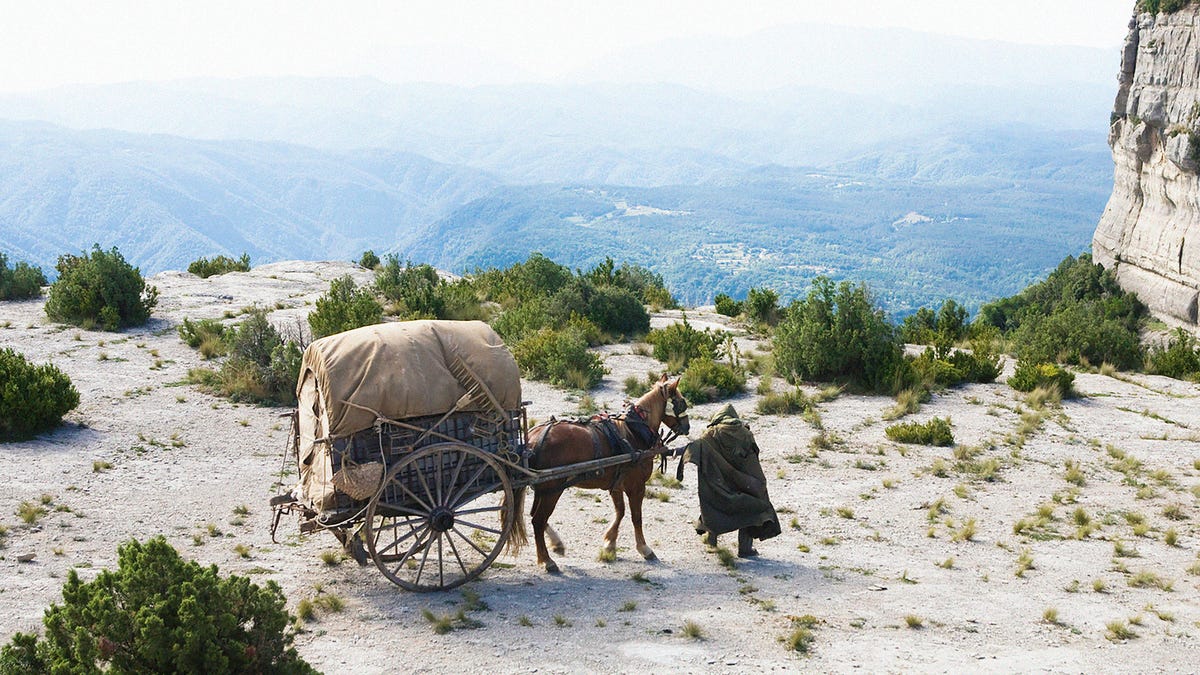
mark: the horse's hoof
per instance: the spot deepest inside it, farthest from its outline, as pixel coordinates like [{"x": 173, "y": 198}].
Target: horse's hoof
[
  {"x": 559, "y": 548},
  {"x": 648, "y": 553},
  {"x": 552, "y": 568}
]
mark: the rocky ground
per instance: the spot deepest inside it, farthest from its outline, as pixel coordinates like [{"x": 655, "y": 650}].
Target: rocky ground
[{"x": 875, "y": 545}]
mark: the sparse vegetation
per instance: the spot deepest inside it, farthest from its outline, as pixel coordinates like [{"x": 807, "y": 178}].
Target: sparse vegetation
[
  {"x": 836, "y": 333},
  {"x": 32, "y": 398},
  {"x": 1079, "y": 314},
  {"x": 100, "y": 291},
  {"x": 344, "y": 307},
  {"x": 221, "y": 264},
  {"x": 20, "y": 282},
  {"x": 1179, "y": 358},
  {"x": 143, "y": 617},
  {"x": 935, "y": 432},
  {"x": 707, "y": 380},
  {"x": 262, "y": 366}
]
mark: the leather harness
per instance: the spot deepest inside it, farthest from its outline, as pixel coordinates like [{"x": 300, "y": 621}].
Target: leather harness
[{"x": 604, "y": 427}]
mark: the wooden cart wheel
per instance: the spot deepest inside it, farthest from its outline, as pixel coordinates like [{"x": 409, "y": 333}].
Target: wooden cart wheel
[{"x": 435, "y": 522}]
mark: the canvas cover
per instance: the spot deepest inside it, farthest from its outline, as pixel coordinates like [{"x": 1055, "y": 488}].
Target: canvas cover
[{"x": 396, "y": 371}]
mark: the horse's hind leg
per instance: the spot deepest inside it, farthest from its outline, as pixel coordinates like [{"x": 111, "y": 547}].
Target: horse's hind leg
[
  {"x": 610, "y": 535},
  {"x": 636, "y": 493},
  {"x": 556, "y": 542},
  {"x": 543, "y": 505}
]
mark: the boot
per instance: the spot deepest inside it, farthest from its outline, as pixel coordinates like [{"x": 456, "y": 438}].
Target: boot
[
  {"x": 746, "y": 544},
  {"x": 711, "y": 539}
]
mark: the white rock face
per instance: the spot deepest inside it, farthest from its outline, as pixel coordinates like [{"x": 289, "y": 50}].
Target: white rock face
[{"x": 1150, "y": 230}]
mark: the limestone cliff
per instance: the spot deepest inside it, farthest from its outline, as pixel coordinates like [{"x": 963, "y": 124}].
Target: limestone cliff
[{"x": 1150, "y": 230}]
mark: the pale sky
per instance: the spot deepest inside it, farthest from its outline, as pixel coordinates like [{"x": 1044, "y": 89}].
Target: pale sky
[{"x": 52, "y": 42}]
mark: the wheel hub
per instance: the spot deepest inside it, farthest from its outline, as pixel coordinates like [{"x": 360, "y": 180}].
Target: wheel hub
[{"x": 442, "y": 519}]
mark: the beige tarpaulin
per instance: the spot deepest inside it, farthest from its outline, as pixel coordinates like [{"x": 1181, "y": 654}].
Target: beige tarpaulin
[{"x": 398, "y": 370}]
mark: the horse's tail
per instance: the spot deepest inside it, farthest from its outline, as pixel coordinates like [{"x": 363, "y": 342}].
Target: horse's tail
[{"x": 519, "y": 536}]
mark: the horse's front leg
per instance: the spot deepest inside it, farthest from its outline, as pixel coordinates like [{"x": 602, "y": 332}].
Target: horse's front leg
[
  {"x": 543, "y": 506},
  {"x": 610, "y": 535},
  {"x": 637, "y": 493}
]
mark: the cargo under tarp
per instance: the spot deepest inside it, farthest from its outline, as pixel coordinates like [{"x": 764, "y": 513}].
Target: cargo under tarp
[{"x": 395, "y": 371}]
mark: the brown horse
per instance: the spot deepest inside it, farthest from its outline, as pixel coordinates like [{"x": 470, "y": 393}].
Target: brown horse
[{"x": 559, "y": 444}]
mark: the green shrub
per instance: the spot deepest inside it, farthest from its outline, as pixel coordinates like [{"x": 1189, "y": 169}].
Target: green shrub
[
  {"x": 679, "y": 343},
  {"x": 788, "y": 403},
  {"x": 21, "y": 282},
  {"x": 461, "y": 302},
  {"x": 1076, "y": 334},
  {"x": 1164, "y": 6},
  {"x": 160, "y": 614},
  {"x": 538, "y": 276},
  {"x": 642, "y": 283},
  {"x": 559, "y": 357},
  {"x": 100, "y": 290},
  {"x": 978, "y": 365},
  {"x": 727, "y": 306},
  {"x": 617, "y": 311},
  {"x": 707, "y": 380},
  {"x": 205, "y": 268},
  {"x": 413, "y": 290},
  {"x": 369, "y": 260},
  {"x": 919, "y": 327},
  {"x": 1030, "y": 375},
  {"x": 946, "y": 326},
  {"x": 1079, "y": 313},
  {"x": 836, "y": 333},
  {"x": 940, "y": 367},
  {"x": 1179, "y": 359},
  {"x": 32, "y": 398},
  {"x": 527, "y": 317},
  {"x": 934, "y": 432},
  {"x": 262, "y": 367},
  {"x": 344, "y": 307},
  {"x": 762, "y": 306},
  {"x": 207, "y": 335}
]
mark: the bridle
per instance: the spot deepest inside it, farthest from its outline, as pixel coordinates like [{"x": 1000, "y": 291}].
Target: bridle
[{"x": 680, "y": 425}]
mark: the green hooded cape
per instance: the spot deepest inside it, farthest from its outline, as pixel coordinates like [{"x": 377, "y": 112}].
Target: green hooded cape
[{"x": 732, "y": 487}]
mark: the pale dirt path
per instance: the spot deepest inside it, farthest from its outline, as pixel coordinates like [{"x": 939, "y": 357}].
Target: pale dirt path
[{"x": 977, "y": 615}]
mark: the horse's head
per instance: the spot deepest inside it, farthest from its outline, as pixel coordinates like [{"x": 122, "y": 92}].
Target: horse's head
[{"x": 675, "y": 406}]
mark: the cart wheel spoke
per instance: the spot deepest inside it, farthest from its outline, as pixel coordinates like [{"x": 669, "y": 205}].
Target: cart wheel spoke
[
  {"x": 489, "y": 530},
  {"x": 416, "y": 498},
  {"x": 425, "y": 484},
  {"x": 421, "y": 544},
  {"x": 456, "y": 499},
  {"x": 482, "y": 509},
  {"x": 463, "y": 499},
  {"x": 402, "y": 538},
  {"x": 468, "y": 540},
  {"x": 454, "y": 550},
  {"x": 424, "y": 559},
  {"x": 462, "y": 460}
]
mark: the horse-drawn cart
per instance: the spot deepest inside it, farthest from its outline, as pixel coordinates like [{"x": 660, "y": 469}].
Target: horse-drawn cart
[{"x": 411, "y": 445}]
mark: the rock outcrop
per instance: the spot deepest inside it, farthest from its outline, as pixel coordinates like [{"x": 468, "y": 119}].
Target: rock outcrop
[{"x": 1150, "y": 231}]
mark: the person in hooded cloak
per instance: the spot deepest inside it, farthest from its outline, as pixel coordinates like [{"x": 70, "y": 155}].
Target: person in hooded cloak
[{"x": 732, "y": 488}]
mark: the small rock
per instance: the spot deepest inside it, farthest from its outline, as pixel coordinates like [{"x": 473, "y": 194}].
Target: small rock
[
  {"x": 876, "y": 587},
  {"x": 26, "y": 557}
]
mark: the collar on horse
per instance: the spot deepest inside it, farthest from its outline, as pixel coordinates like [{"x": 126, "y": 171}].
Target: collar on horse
[{"x": 635, "y": 419}]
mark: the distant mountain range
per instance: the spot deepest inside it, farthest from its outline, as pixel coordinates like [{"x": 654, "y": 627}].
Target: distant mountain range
[
  {"x": 165, "y": 201},
  {"x": 928, "y": 166}
]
